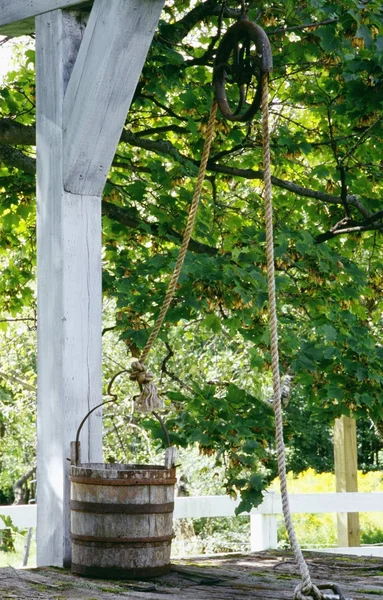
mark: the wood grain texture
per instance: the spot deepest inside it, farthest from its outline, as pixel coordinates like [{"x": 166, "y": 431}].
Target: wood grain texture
[
  {"x": 69, "y": 296},
  {"x": 346, "y": 476},
  {"x": 18, "y": 10},
  {"x": 104, "y": 78},
  {"x": 17, "y": 16},
  {"x": 256, "y": 576},
  {"x": 120, "y": 541}
]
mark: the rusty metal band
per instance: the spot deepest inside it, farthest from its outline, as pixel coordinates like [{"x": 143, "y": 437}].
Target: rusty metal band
[
  {"x": 119, "y": 572},
  {"x": 130, "y": 509},
  {"x": 121, "y": 540},
  {"x": 91, "y": 481}
]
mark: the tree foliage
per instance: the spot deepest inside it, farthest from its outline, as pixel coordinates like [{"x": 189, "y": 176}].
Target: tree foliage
[{"x": 326, "y": 143}]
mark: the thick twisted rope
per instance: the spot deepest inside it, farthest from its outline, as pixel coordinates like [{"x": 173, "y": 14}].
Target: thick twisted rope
[
  {"x": 149, "y": 399},
  {"x": 306, "y": 590}
]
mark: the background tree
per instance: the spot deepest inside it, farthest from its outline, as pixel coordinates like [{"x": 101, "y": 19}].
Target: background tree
[{"x": 327, "y": 133}]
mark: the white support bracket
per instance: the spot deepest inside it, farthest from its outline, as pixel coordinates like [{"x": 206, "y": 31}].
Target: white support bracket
[{"x": 101, "y": 88}]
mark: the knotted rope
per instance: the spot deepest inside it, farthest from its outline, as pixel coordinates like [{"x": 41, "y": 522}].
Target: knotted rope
[
  {"x": 306, "y": 590},
  {"x": 149, "y": 398}
]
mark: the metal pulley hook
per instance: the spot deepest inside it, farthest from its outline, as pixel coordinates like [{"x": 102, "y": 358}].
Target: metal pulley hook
[
  {"x": 246, "y": 65},
  {"x": 336, "y": 589}
]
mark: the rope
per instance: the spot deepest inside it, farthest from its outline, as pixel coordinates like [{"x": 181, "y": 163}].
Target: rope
[
  {"x": 306, "y": 589},
  {"x": 149, "y": 399}
]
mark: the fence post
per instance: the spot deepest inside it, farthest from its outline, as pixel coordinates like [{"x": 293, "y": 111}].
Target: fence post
[
  {"x": 263, "y": 532},
  {"x": 346, "y": 474}
]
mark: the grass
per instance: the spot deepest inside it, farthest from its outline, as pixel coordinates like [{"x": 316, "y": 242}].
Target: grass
[
  {"x": 14, "y": 559},
  {"x": 320, "y": 530}
]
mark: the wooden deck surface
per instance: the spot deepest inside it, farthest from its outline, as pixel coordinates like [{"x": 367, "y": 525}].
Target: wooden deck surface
[{"x": 266, "y": 575}]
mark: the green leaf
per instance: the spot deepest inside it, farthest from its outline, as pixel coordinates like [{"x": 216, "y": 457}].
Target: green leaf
[{"x": 212, "y": 322}]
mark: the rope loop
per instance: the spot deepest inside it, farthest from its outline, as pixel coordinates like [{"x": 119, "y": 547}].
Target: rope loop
[
  {"x": 149, "y": 398},
  {"x": 307, "y": 592}
]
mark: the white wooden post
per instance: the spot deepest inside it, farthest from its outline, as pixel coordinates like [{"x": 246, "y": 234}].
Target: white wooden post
[
  {"x": 86, "y": 78},
  {"x": 69, "y": 295},
  {"x": 263, "y": 532}
]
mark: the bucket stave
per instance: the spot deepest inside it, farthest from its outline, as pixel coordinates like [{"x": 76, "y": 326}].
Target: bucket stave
[{"x": 121, "y": 519}]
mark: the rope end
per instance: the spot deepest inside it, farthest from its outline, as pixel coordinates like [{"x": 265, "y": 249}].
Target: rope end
[{"x": 149, "y": 398}]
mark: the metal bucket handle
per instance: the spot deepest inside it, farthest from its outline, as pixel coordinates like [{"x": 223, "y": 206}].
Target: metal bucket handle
[{"x": 77, "y": 442}]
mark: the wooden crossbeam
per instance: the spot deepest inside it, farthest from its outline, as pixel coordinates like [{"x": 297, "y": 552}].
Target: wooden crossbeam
[
  {"x": 17, "y": 16},
  {"x": 109, "y": 63}
]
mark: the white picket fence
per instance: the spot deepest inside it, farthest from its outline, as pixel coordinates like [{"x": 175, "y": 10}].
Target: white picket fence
[{"x": 263, "y": 520}]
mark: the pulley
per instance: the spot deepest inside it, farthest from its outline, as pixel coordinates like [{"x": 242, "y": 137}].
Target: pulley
[{"x": 243, "y": 57}]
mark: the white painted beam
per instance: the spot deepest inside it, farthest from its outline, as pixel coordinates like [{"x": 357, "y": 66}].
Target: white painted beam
[
  {"x": 22, "y": 515},
  {"x": 17, "y": 16},
  {"x": 105, "y": 76},
  {"x": 204, "y": 506},
  {"x": 69, "y": 296},
  {"x": 17, "y": 10},
  {"x": 224, "y": 506}
]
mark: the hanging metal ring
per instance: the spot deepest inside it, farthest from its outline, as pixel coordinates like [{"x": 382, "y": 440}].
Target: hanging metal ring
[{"x": 243, "y": 33}]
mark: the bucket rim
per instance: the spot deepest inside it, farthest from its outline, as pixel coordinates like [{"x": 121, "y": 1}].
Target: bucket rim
[
  {"x": 120, "y": 466},
  {"x": 122, "y": 474}
]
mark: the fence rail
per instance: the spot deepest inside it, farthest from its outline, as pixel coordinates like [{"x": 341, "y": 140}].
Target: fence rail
[{"x": 263, "y": 519}]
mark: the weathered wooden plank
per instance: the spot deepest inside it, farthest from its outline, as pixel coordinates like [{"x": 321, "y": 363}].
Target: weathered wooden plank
[
  {"x": 105, "y": 76},
  {"x": 346, "y": 476},
  {"x": 267, "y": 576},
  {"x": 69, "y": 295},
  {"x": 17, "y": 16}
]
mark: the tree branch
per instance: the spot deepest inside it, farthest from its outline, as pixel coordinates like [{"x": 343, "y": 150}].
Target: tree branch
[
  {"x": 15, "y": 133},
  {"x": 124, "y": 216},
  {"x": 282, "y": 183},
  {"x": 164, "y": 129},
  {"x": 18, "y": 490},
  {"x": 347, "y": 225},
  {"x": 310, "y": 26},
  {"x": 176, "y": 32},
  {"x": 14, "y": 379},
  {"x": 173, "y": 376},
  {"x": 13, "y": 157},
  {"x": 324, "y": 237}
]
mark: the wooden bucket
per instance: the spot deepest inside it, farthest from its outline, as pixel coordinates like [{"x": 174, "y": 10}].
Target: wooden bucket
[
  {"x": 121, "y": 515},
  {"x": 121, "y": 520}
]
